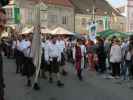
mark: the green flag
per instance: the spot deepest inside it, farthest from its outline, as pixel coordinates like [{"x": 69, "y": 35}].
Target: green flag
[
  {"x": 17, "y": 15},
  {"x": 106, "y": 22}
]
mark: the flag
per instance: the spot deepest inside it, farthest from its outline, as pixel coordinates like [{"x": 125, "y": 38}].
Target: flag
[
  {"x": 93, "y": 30},
  {"x": 17, "y": 15},
  {"x": 106, "y": 22},
  {"x": 36, "y": 43}
]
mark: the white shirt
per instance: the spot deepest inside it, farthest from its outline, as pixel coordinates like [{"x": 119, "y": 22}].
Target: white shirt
[
  {"x": 14, "y": 43},
  {"x": 23, "y": 46},
  {"x": 53, "y": 51},
  {"x": 115, "y": 54},
  {"x": 83, "y": 50},
  {"x": 61, "y": 45},
  {"x": 45, "y": 47}
]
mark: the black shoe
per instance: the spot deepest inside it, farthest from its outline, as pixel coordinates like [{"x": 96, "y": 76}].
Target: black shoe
[
  {"x": 50, "y": 80},
  {"x": 4, "y": 86},
  {"x": 17, "y": 72},
  {"x": 64, "y": 73},
  {"x": 29, "y": 83},
  {"x": 80, "y": 77},
  {"x": 36, "y": 87},
  {"x": 60, "y": 84}
]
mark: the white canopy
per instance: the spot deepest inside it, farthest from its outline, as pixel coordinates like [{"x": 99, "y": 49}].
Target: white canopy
[
  {"x": 27, "y": 30},
  {"x": 46, "y": 30},
  {"x": 4, "y": 34},
  {"x": 61, "y": 31}
]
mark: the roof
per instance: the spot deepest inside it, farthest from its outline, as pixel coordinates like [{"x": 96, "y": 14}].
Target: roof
[
  {"x": 66, "y": 3},
  {"x": 102, "y": 7},
  {"x": 81, "y": 6},
  {"x": 121, "y": 9}
]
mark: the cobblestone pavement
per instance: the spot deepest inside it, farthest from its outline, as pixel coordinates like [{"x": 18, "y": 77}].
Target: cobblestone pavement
[{"x": 94, "y": 87}]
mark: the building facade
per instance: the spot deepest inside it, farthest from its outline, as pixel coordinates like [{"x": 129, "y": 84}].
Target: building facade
[
  {"x": 59, "y": 13},
  {"x": 129, "y": 13},
  {"x": 82, "y": 23}
]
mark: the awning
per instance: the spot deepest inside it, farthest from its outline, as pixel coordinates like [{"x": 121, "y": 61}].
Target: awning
[
  {"x": 61, "y": 31},
  {"x": 86, "y": 7}
]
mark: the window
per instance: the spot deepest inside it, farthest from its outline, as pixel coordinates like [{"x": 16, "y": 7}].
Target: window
[
  {"x": 83, "y": 22},
  {"x": 64, "y": 19},
  {"x": 131, "y": 26},
  {"x": 53, "y": 19}
]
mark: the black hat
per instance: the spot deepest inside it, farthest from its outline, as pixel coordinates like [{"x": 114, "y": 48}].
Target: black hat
[{"x": 4, "y": 2}]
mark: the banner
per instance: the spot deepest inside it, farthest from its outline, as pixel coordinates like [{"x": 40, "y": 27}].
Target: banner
[
  {"x": 92, "y": 27},
  {"x": 106, "y": 22},
  {"x": 17, "y": 15}
]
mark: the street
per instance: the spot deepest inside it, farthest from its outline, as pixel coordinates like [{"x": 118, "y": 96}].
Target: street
[{"x": 94, "y": 87}]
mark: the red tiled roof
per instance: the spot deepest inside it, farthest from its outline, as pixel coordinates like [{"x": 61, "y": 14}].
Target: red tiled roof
[{"x": 66, "y": 3}]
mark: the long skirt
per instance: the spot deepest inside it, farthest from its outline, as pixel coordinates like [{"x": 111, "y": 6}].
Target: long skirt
[
  {"x": 78, "y": 65},
  {"x": 91, "y": 61}
]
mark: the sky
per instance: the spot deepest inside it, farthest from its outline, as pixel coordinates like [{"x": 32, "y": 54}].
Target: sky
[{"x": 117, "y": 3}]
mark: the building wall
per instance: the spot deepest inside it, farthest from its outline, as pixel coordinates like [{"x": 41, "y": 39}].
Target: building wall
[
  {"x": 61, "y": 16},
  {"x": 82, "y": 21},
  {"x": 57, "y": 15},
  {"x": 118, "y": 23},
  {"x": 130, "y": 16}
]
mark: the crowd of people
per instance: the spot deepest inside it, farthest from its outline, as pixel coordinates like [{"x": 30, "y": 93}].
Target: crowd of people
[
  {"x": 103, "y": 56},
  {"x": 114, "y": 56}
]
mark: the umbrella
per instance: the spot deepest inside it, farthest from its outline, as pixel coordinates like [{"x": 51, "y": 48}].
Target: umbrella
[
  {"x": 61, "y": 31},
  {"x": 105, "y": 33},
  {"x": 118, "y": 35},
  {"x": 4, "y": 34},
  {"x": 110, "y": 32},
  {"x": 46, "y": 30},
  {"x": 27, "y": 30}
]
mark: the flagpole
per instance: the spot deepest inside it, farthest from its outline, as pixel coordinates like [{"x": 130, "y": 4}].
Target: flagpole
[{"x": 36, "y": 47}]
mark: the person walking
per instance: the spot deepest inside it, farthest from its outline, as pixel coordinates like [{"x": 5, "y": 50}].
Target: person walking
[
  {"x": 53, "y": 57},
  {"x": 101, "y": 56},
  {"x": 28, "y": 67},
  {"x": 115, "y": 58},
  {"x": 78, "y": 58}
]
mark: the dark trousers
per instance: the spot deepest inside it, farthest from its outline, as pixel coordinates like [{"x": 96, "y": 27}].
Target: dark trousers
[
  {"x": 102, "y": 66},
  {"x": 19, "y": 60},
  {"x": 1, "y": 79},
  {"x": 54, "y": 65},
  {"x": 115, "y": 69},
  {"x": 79, "y": 74}
]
